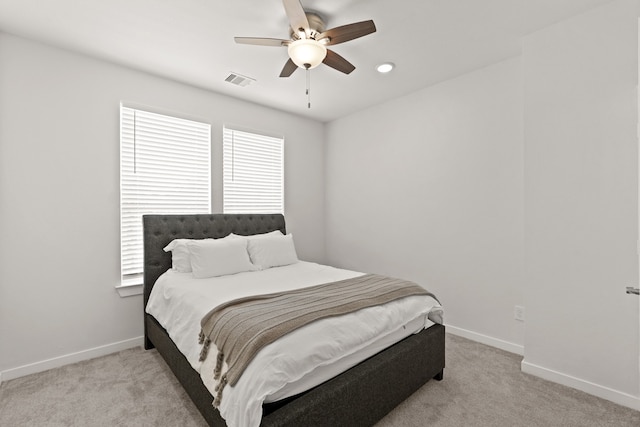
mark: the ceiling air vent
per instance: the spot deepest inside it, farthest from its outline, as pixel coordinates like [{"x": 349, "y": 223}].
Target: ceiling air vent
[{"x": 239, "y": 80}]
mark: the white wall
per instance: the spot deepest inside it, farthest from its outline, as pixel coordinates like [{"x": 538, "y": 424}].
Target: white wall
[
  {"x": 59, "y": 196},
  {"x": 531, "y": 161},
  {"x": 581, "y": 199},
  {"x": 429, "y": 187}
]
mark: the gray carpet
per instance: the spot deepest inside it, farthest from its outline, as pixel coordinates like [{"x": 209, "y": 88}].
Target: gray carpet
[{"x": 482, "y": 386}]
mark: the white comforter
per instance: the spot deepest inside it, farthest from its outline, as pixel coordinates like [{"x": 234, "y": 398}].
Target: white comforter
[{"x": 178, "y": 301}]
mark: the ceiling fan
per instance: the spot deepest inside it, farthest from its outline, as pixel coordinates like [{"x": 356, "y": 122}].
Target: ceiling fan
[{"x": 307, "y": 47}]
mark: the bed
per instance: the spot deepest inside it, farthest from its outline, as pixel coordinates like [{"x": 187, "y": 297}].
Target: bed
[{"x": 360, "y": 396}]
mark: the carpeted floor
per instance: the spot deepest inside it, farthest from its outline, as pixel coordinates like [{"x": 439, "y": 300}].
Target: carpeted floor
[{"x": 482, "y": 386}]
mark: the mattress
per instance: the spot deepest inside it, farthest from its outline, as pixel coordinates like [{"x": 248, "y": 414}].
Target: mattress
[{"x": 298, "y": 361}]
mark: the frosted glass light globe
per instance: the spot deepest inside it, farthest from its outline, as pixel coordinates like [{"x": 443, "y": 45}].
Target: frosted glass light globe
[{"x": 307, "y": 53}]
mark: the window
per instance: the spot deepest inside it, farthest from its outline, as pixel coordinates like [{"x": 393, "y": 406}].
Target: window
[
  {"x": 164, "y": 168},
  {"x": 253, "y": 172}
]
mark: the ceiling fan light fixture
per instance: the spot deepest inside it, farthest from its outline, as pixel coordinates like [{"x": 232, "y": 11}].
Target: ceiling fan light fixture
[{"x": 307, "y": 53}]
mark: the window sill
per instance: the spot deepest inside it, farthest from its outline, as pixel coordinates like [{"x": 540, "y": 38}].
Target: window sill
[{"x": 129, "y": 289}]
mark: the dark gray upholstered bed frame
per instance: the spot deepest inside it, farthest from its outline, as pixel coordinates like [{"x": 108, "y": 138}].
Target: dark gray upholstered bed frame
[{"x": 358, "y": 397}]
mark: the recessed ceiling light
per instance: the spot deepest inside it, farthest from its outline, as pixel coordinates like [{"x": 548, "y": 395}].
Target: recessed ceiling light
[{"x": 385, "y": 67}]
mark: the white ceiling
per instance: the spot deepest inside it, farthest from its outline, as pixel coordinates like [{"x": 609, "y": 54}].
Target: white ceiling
[{"x": 191, "y": 41}]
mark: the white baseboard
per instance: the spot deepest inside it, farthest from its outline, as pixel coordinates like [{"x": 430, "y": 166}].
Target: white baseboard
[
  {"x": 484, "y": 339},
  {"x": 602, "y": 392},
  {"x": 67, "y": 359},
  {"x": 606, "y": 393}
]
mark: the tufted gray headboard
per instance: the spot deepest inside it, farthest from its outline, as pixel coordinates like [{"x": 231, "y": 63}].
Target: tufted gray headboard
[{"x": 159, "y": 230}]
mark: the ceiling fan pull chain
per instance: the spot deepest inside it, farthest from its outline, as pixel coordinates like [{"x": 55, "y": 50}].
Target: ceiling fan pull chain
[{"x": 308, "y": 89}]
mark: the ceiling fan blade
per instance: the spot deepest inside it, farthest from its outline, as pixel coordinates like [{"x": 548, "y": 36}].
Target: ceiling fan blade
[
  {"x": 297, "y": 16},
  {"x": 288, "y": 69},
  {"x": 336, "y": 61},
  {"x": 260, "y": 41},
  {"x": 348, "y": 32}
]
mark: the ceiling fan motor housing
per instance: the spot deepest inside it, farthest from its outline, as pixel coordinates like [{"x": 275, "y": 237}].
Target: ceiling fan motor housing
[{"x": 316, "y": 26}]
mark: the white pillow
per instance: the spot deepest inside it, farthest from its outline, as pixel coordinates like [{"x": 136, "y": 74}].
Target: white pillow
[
  {"x": 256, "y": 236},
  {"x": 272, "y": 251},
  {"x": 219, "y": 257},
  {"x": 180, "y": 258}
]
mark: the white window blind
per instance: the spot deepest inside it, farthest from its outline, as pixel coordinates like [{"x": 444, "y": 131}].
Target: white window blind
[
  {"x": 253, "y": 173},
  {"x": 164, "y": 168}
]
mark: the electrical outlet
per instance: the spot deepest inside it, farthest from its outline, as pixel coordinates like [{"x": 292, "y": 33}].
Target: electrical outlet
[{"x": 519, "y": 313}]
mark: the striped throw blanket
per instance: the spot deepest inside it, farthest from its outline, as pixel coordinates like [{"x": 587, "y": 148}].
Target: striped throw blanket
[{"x": 242, "y": 327}]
